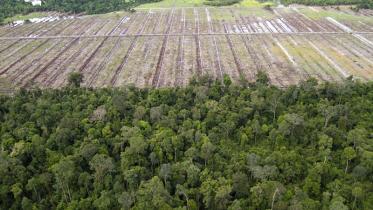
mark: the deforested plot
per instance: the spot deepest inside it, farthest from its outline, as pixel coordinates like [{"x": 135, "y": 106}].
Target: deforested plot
[
  {"x": 171, "y": 63},
  {"x": 359, "y": 48},
  {"x": 217, "y": 54},
  {"x": 116, "y": 62},
  {"x": 208, "y": 60},
  {"x": 189, "y": 63},
  {"x": 7, "y": 46},
  {"x": 23, "y": 44},
  {"x": 161, "y": 25},
  {"x": 216, "y": 18},
  {"x": 139, "y": 26},
  {"x": 125, "y": 22},
  {"x": 93, "y": 27},
  {"x": 105, "y": 27},
  {"x": 78, "y": 63},
  {"x": 87, "y": 61},
  {"x": 197, "y": 39},
  {"x": 167, "y": 46},
  {"x": 281, "y": 65},
  {"x": 5, "y": 43},
  {"x": 368, "y": 48},
  {"x": 266, "y": 61},
  {"x": 190, "y": 21},
  {"x": 154, "y": 18},
  {"x": 307, "y": 61},
  {"x": 177, "y": 19},
  {"x": 129, "y": 53},
  {"x": 18, "y": 52},
  {"x": 156, "y": 81},
  {"x": 228, "y": 57},
  {"x": 149, "y": 64},
  {"x": 327, "y": 66},
  {"x": 100, "y": 61},
  {"x": 110, "y": 62},
  {"x": 33, "y": 62},
  {"x": 361, "y": 63},
  {"x": 246, "y": 64},
  {"x": 341, "y": 57},
  {"x": 235, "y": 52},
  {"x": 180, "y": 52},
  {"x": 59, "y": 27},
  {"x": 203, "y": 19},
  {"x": 132, "y": 60},
  {"x": 26, "y": 30},
  {"x": 368, "y": 37},
  {"x": 45, "y": 72}
]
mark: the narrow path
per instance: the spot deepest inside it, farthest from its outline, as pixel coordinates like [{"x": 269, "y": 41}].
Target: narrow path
[{"x": 185, "y": 34}]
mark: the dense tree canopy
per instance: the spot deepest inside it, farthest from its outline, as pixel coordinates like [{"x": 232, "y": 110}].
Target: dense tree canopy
[
  {"x": 9, "y": 8},
  {"x": 205, "y": 146},
  {"x": 366, "y": 4},
  {"x": 92, "y": 7}
]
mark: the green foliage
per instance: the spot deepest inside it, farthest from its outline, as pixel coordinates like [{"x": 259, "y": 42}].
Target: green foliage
[
  {"x": 218, "y": 3},
  {"x": 324, "y": 2},
  {"x": 210, "y": 145},
  {"x": 366, "y": 4},
  {"x": 92, "y": 7},
  {"x": 9, "y": 8},
  {"x": 262, "y": 78},
  {"x": 75, "y": 78}
]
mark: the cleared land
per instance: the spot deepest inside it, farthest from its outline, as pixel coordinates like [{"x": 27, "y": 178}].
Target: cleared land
[{"x": 166, "y": 47}]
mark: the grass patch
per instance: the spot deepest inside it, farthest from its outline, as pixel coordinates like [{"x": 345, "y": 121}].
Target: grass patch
[
  {"x": 334, "y": 14},
  {"x": 172, "y": 3},
  {"x": 252, "y": 3},
  {"x": 219, "y": 3},
  {"x": 225, "y": 14},
  {"x": 201, "y": 3},
  {"x": 26, "y": 17},
  {"x": 5, "y": 86}
]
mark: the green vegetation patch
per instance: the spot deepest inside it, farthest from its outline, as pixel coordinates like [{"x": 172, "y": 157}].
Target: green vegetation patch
[
  {"x": 254, "y": 3},
  {"x": 6, "y": 86},
  {"x": 322, "y": 2},
  {"x": 334, "y": 14},
  {"x": 9, "y": 8},
  {"x": 172, "y": 3},
  {"x": 365, "y": 4},
  {"x": 218, "y": 3},
  {"x": 26, "y": 17},
  {"x": 201, "y": 3}
]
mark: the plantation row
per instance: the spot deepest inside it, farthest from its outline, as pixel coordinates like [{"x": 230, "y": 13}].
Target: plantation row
[
  {"x": 191, "y": 20},
  {"x": 203, "y": 42}
]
